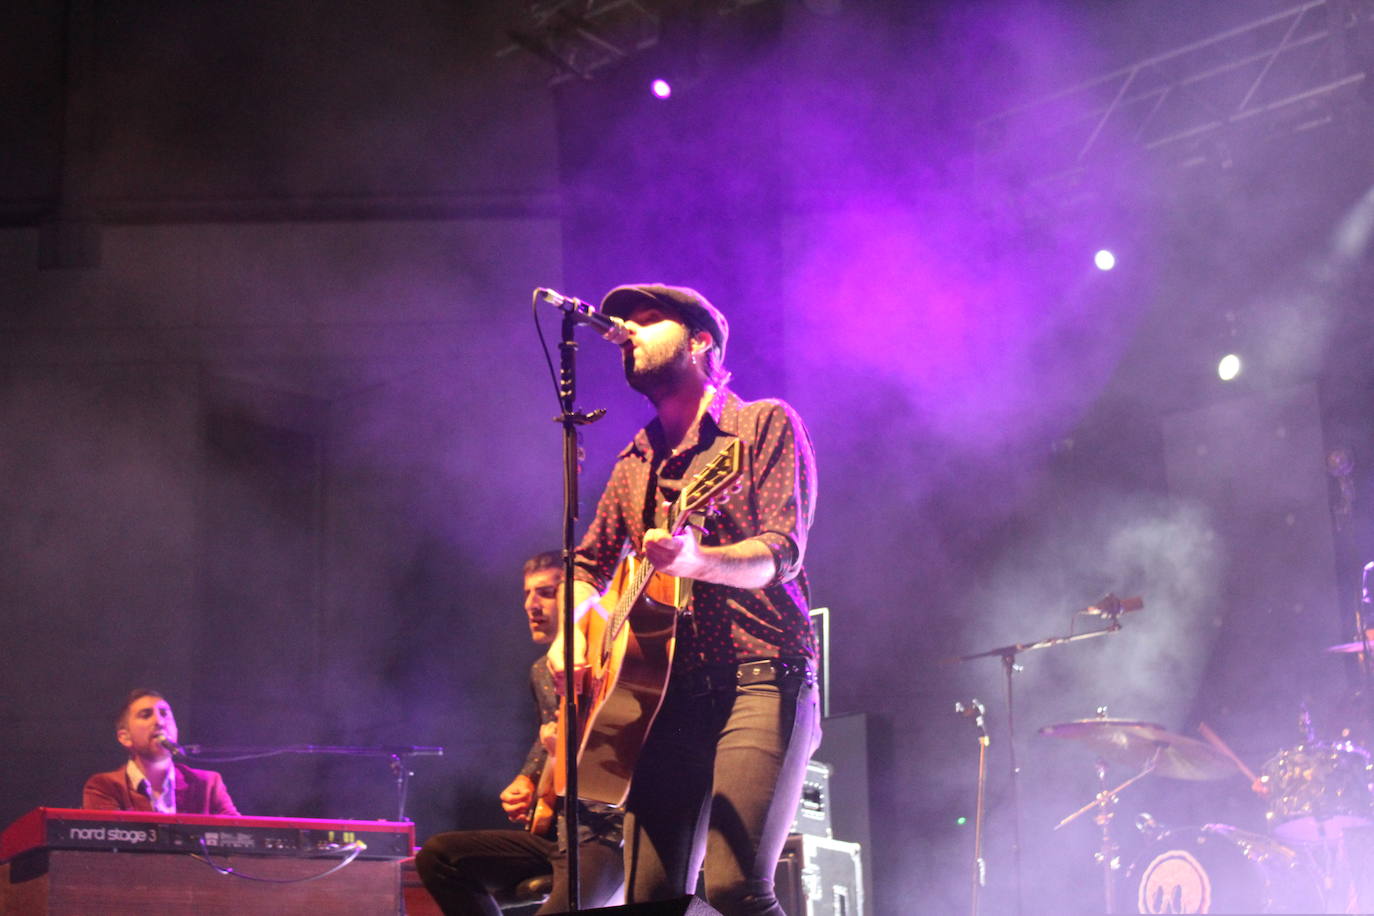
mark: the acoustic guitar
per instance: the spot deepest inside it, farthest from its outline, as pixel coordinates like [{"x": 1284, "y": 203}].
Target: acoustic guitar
[
  {"x": 630, "y": 652},
  {"x": 539, "y": 817}
]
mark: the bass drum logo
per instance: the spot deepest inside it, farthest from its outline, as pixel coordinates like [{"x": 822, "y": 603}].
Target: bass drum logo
[{"x": 1175, "y": 882}]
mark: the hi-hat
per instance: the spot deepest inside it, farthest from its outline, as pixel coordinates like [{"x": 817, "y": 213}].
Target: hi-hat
[
  {"x": 1356, "y": 646},
  {"x": 1133, "y": 743}
]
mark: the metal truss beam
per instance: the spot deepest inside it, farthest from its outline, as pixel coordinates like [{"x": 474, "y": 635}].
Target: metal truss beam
[
  {"x": 1287, "y": 72},
  {"x": 579, "y": 38}
]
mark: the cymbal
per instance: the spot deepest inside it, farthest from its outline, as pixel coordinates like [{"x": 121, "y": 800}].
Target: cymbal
[
  {"x": 1133, "y": 743},
  {"x": 1356, "y": 646}
]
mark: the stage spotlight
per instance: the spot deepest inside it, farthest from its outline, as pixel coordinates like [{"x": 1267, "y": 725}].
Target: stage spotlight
[
  {"x": 661, "y": 88},
  {"x": 1104, "y": 259},
  {"x": 1229, "y": 367}
]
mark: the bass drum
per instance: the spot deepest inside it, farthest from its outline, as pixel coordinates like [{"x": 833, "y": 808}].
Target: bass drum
[{"x": 1220, "y": 869}]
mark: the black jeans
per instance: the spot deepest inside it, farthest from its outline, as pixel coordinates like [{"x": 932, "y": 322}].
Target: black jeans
[
  {"x": 466, "y": 871},
  {"x": 718, "y": 784}
]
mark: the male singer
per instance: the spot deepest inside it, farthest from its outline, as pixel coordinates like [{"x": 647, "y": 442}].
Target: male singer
[
  {"x": 720, "y": 775},
  {"x": 152, "y": 780}
]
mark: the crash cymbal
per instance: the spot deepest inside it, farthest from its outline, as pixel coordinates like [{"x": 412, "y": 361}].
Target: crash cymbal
[
  {"x": 1357, "y": 646},
  {"x": 1133, "y": 743}
]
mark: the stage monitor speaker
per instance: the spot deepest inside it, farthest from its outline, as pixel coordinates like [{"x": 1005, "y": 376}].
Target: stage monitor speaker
[{"x": 678, "y": 906}]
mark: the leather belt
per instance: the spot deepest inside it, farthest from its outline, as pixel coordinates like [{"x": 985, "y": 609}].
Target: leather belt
[{"x": 714, "y": 678}]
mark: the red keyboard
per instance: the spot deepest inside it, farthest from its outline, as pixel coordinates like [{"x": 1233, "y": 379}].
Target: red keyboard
[{"x": 78, "y": 828}]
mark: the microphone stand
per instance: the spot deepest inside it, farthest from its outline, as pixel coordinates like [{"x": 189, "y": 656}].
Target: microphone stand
[
  {"x": 1360, "y": 699},
  {"x": 571, "y": 419},
  {"x": 1112, "y": 609},
  {"x": 1361, "y": 622},
  {"x": 975, "y": 710},
  {"x": 399, "y": 755}
]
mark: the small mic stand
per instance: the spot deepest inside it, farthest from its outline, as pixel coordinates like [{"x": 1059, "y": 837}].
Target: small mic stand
[
  {"x": 398, "y": 755},
  {"x": 400, "y": 768},
  {"x": 975, "y": 711},
  {"x": 1110, "y": 607}
]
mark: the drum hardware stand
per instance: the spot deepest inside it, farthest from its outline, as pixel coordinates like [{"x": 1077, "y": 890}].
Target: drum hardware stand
[
  {"x": 1358, "y": 700},
  {"x": 1104, "y": 802},
  {"x": 1110, "y": 607},
  {"x": 1366, "y": 662},
  {"x": 1363, "y": 625},
  {"x": 975, "y": 711},
  {"x": 1333, "y": 867}
]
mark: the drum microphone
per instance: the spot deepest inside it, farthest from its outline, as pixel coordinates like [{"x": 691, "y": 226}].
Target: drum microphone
[
  {"x": 974, "y": 710},
  {"x": 1113, "y": 607},
  {"x": 608, "y": 326}
]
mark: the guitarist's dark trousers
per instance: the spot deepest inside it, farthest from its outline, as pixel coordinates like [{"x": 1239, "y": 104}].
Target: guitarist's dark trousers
[
  {"x": 718, "y": 785},
  {"x": 470, "y": 872}
]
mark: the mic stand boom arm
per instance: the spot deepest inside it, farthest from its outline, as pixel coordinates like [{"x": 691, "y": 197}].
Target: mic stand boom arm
[
  {"x": 1049, "y": 642},
  {"x": 398, "y": 754}
]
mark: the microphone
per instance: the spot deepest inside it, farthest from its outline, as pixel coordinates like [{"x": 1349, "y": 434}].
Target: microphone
[
  {"x": 608, "y": 326},
  {"x": 974, "y": 710},
  {"x": 1113, "y": 607},
  {"x": 176, "y": 750}
]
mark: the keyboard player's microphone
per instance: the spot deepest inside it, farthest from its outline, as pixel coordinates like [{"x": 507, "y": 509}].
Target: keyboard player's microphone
[{"x": 173, "y": 748}]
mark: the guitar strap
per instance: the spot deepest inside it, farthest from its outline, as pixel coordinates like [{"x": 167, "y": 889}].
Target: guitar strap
[{"x": 668, "y": 489}]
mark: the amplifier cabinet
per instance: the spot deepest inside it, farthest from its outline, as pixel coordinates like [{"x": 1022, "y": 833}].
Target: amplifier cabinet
[
  {"x": 813, "y": 811},
  {"x": 818, "y": 876}
]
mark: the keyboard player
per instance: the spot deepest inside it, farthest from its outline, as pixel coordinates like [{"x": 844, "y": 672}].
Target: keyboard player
[{"x": 152, "y": 780}]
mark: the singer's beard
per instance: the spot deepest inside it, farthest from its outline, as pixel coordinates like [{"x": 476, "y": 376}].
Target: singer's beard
[{"x": 659, "y": 373}]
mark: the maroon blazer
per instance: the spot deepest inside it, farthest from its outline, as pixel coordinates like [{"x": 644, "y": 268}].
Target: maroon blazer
[{"x": 198, "y": 792}]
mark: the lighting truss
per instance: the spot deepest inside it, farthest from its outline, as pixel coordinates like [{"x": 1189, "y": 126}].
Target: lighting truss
[
  {"x": 579, "y": 38},
  {"x": 1287, "y": 72}
]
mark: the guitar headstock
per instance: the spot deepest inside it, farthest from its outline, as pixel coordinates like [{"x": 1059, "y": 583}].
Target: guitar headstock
[{"x": 712, "y": 480}]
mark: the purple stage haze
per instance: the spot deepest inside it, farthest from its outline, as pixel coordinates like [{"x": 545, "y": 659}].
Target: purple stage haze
[{"x": 280, "y": 444}]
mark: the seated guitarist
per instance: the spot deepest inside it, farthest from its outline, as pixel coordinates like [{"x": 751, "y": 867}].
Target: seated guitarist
[
  {"x": 719, "y": 777},
  {"x": 467, "y": 871}
]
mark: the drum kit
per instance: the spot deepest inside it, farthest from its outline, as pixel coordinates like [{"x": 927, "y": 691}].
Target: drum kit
[{"x": 1319, "y": 800}]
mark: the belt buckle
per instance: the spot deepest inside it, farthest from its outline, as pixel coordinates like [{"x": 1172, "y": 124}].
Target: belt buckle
[
  {"x": 774, "y": 671},
  {"x": 757, "y": 672}
]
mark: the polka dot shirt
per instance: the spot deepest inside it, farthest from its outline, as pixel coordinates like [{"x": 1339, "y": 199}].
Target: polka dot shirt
[{"x": 774, "y": 505}]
